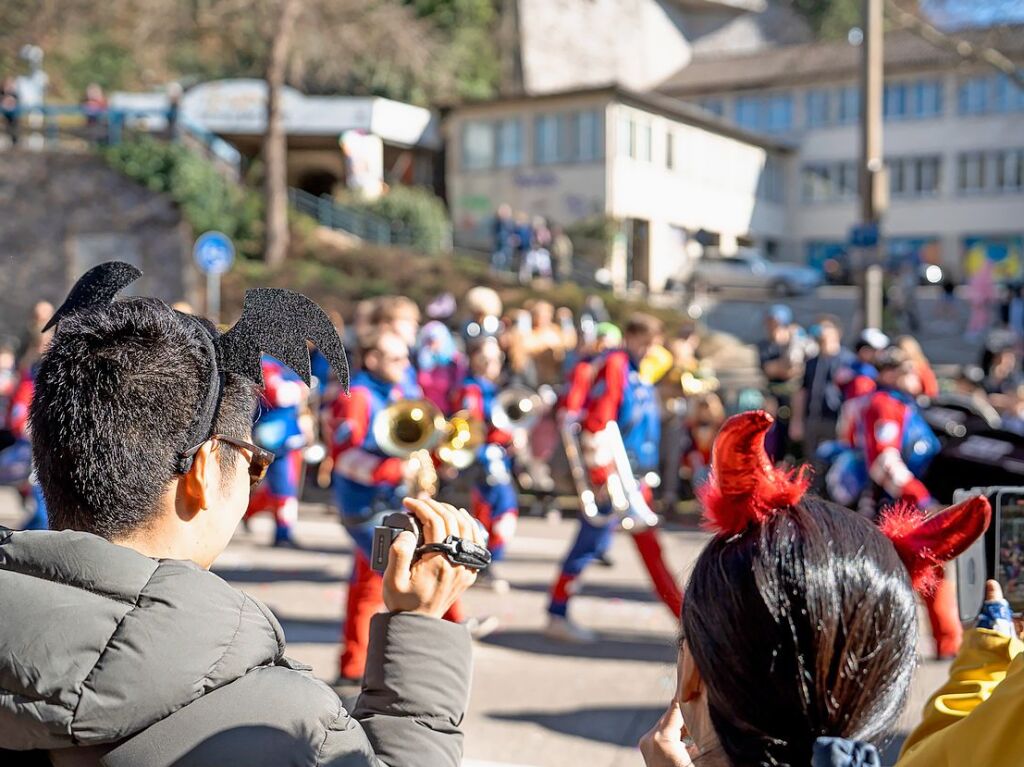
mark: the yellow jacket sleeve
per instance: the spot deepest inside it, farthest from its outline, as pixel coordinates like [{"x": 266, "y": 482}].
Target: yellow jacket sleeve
[{"x": 986, "y": 682}]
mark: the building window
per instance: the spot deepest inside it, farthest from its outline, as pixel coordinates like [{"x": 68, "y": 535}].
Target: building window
[
  {"x": 589, "y": 136},
  {"x": 849, "y": 104},
  {"x": 927, "y": 98},
  {"x": 972, "y": 172},
  {"x": 477, "y": 145},
  {"x": 894, "y": 100},
  {"x": 829, "y": 182},
  {"x": 817, "y": 183},
  {"x": 770, "y": 114},
  {"x": 989, "y": 93},
  {"x": 819, "y": 108},
  {"x": 1009, "y": 175},
  {"x": 509, "y": 136},
  {"x": 997, "y": 171},
  {"x": 715, "y": 106},
  {"x": 546, "y": 139},
  {"x": 915, "y": 176},
  {"x": 634, "y": 138}
]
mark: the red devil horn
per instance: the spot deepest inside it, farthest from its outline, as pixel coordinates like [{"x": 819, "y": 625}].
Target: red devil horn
[
  {"x": 745, "y": 488},
  {"x": 925, "y": 543}
]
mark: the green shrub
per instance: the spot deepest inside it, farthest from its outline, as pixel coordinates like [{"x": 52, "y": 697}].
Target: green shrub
[
  {"x": 592, "y": 238},
  {"x": 207, "y": 199},
  {"x": 418, "y": 216}
]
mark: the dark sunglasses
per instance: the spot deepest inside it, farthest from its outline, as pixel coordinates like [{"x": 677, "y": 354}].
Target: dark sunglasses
[{"x": 258, "y": 463}]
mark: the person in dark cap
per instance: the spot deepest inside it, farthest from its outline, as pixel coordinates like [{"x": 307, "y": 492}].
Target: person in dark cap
[{"x": 119, "y": 644}]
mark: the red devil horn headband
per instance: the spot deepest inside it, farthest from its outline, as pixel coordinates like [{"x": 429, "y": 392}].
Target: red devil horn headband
[
  {"x": 925, "y": 543},
  {"x": 745, "y": 488}
]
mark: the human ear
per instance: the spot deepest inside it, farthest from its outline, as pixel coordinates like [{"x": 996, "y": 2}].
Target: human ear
[
  {"x": 691, "y": 684},
  {"x": 196, "y": 482}
]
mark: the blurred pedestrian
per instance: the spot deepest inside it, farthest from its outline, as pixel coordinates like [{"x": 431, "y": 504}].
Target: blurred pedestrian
[
  {"x": 781, "y": 352},
  {"x": 503, "y": 243},
  {"x": 440, "y": 367},
  {"x": 523, "y": 239},
  {"x": 562, "y": 253},
  {"x": 816, "y": 404},
  {"x": 981, "y": 293},
  {"x": 923, "y": 368},
  {"x": 9, "y": 107},
  {"x": 484, "y": 307}
]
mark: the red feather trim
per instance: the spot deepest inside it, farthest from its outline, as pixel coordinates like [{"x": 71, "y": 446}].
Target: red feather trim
[
  {"x": 926, "y": 542},
  {"x": 731, "y": 513}
]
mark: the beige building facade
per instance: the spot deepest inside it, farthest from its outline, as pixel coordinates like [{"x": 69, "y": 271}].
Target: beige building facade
[
  {"x": 676, "y": 181},
  {"x": 953, "y": 144}
]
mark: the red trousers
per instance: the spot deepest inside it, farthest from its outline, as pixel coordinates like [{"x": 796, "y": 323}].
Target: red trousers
[
  {"x": 366, "y": 599},
  {"x": 648, "y": 544}
]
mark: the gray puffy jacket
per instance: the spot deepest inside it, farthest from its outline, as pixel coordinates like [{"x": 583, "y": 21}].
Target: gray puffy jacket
[{"x": 110, "y": 658}]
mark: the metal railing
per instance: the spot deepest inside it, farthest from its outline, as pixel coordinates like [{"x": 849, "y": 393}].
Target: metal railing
[{"x": 327, "y": 212}]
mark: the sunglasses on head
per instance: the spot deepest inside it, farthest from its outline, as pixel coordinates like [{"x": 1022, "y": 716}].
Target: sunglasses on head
[{"x": 259, "y": 461}]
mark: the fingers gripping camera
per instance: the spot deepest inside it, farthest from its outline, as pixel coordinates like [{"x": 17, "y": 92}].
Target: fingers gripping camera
[{"x": 458, "y": 550}]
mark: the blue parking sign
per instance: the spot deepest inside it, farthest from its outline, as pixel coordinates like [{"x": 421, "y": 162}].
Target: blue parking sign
[{"x": 214, "y": 252}]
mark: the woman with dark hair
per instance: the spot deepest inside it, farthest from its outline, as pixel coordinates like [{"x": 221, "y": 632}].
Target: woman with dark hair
[{"x": 799, "y": 624}]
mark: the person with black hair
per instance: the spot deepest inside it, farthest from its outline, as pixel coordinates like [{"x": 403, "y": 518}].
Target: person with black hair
[
  {"x": 799, "y": 622},
  {"x": 119, "y": 644}
]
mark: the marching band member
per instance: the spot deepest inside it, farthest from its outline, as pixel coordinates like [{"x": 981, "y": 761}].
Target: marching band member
[
  {"x": 897, "y": 447},
  {"x": 278, "y": 430},
  {"x": 366, "y": 481},
  {"x": 494, "y": 500},
  {"x": 618, "y": 394}
]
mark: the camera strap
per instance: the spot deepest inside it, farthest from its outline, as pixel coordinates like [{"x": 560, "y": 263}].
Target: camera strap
[{"x": 459, "y": 552}]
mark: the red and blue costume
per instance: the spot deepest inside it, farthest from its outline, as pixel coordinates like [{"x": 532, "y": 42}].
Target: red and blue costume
[
  {"x": 617, "y": 394},
  {"x": 18, "y": 424},
  {"x": 493, "y": 496},
  {"x": 277, "y": 429},
  {"x": 366, "y": 484},
  {"x": 897, "y": 446}
]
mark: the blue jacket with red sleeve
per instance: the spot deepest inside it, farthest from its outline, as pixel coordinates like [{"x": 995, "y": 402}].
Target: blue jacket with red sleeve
[
  {"x": 478, "y": 396},
  {"x": 619, "y": 395},
  {"x": 277, "y": 425},
  {"x": 898, "y": 445}
]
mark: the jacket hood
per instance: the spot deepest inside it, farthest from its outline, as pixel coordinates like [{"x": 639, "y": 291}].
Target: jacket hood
[{"x": 100, "y": 642}]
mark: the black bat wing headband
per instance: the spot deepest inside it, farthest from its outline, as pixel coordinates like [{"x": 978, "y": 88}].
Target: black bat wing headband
[{"x": 274, "y": 321}]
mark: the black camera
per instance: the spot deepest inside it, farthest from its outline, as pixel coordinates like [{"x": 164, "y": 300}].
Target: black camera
[
  {"x": 384, "y": 535},
  {"x": 997, "y": 555},
  {"x": 458, "y": 551}
]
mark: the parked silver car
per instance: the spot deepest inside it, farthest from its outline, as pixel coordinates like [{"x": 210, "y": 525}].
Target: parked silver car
[{"x": 749, "y": 269}]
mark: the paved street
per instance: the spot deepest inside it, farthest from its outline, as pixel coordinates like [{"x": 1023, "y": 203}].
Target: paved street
[{"x": 535, "y": 703}]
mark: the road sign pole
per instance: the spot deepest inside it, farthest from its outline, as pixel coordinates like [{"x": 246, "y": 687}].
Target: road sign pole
[{"x": 213, "y": 297}]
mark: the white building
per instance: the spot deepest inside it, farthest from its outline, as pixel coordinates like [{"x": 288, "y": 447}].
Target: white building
[
  {"x": 672, "y": 175},
  {"x": 953, "y": 143}
]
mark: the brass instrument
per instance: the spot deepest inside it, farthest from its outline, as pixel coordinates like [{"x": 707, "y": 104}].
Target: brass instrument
[
  {"x": 570, "y": 431},
  {"x": 629, "y": 507},
  {"x": 517, "y": 408},
  {"x": 413, "y": 429}
]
